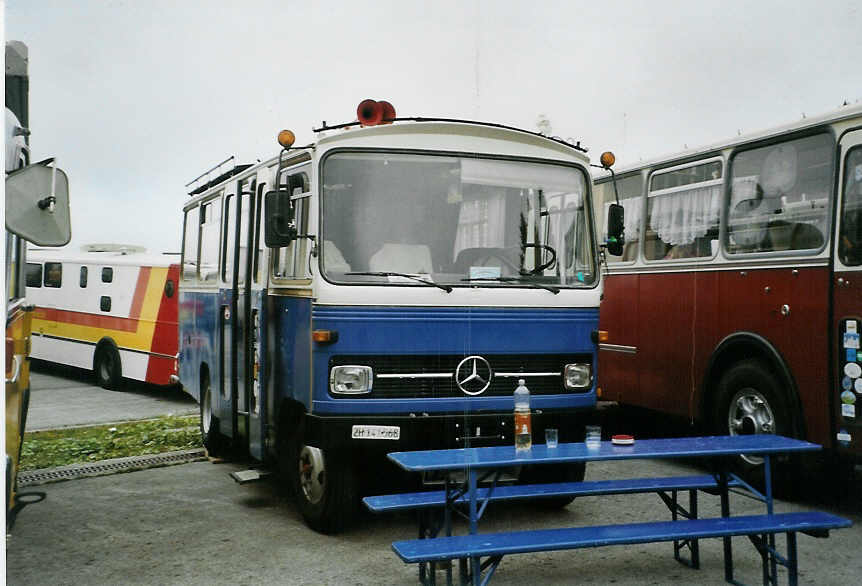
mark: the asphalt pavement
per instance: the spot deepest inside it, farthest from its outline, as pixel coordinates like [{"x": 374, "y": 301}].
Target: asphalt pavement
[
  {"x": 191, "y": 524},
  {"x": 62, "y": 396}
]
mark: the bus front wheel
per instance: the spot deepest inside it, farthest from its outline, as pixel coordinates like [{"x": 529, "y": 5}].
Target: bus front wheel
[
  {"x": 107, "y": 366},
  {"x": 324, "y": 486},
  {"x": 750, "y": 401}
]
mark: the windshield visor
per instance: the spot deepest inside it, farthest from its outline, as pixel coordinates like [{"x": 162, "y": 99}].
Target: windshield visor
[{"x": 454, "y": 221}]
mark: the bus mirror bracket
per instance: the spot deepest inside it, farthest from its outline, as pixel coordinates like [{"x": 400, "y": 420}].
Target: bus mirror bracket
[{"x": 279, "y": 227}]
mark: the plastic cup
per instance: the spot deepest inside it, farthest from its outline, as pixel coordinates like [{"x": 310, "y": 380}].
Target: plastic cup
[
  {"x": 551, "y": 437},
  {"x": 593, "y": 436}
]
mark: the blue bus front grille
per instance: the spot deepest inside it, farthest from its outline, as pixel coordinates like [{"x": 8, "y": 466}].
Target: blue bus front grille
[{"x": 424, "y": 376}]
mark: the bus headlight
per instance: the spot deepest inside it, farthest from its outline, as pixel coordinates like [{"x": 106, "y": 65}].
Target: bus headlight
[
  {"x": 350, "y": 380},
  {"x": 577, "y": 376}
]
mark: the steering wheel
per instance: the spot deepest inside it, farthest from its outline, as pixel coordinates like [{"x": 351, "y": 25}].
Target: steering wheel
[{"x": 544, "y": 266}]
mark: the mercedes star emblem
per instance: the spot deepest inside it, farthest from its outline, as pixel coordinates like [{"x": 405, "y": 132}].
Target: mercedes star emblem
[{"x": 473, "y": 375}]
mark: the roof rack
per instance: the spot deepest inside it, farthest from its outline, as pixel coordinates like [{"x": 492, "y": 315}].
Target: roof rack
[
  {"x": 223, "y": 175},
  {"x": 557, "y": 139}
]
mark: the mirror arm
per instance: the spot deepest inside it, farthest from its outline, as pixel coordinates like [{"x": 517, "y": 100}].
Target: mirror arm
[
  {"x": 613, "y": 180},
  {"x": 313, "y": 239}
]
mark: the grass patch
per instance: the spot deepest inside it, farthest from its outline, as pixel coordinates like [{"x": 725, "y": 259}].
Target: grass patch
[{"x": 61, "y": 447}]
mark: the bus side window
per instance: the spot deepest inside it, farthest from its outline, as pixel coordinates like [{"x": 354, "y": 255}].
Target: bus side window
[
  {"x": 781, "y": 196},
  {"x": 209, "y": 239},
  {"x": 630, "y": 191},
  {"x": 683, "y": 210},
  {"x": 105, "y": 303},
  {"x": 107, "y": 274},
  {"x": 34, "y": 274},
  {"x": 190, "y": 244},
  {"x": 83, "y": 279},
  {"x": 53, "y": 274},
  {"x": 290, "y": 262}
]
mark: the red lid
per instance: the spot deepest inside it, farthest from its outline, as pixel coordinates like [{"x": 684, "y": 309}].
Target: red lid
[{"x": 623, "y": 439}]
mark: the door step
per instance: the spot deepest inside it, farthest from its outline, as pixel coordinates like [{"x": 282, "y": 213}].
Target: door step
[{"x": 251, "y": 475}]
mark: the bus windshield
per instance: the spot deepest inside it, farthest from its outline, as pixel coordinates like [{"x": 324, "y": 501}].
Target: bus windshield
[{"x": 459, "y": 221}]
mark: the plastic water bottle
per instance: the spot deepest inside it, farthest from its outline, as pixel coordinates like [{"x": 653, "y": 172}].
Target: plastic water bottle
[{"x": 523, "y": 427}]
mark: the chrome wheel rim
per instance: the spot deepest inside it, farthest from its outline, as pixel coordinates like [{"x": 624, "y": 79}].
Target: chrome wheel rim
[
  {"x": 750, "y": 414},
  {"x": 207, "y": 416},
  {"x": 312, "y": 474}
]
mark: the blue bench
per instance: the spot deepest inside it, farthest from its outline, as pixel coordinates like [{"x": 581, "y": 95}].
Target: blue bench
[
  {"x": 423, "y": 502},
  {"x": 437, "y": 498},
  {"x": 496, "y": 545}
]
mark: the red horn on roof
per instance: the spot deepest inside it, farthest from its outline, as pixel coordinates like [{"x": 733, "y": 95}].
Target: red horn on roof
[
  {"x": 370, "y": 112},
  {"x": 388, "y": 112}
]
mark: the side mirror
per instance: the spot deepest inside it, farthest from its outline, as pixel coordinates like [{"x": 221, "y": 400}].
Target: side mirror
[
  {"x": 616, "y": 226},
  {"x": 279, "y": 227},
  {"x": 37, "y": 205}
]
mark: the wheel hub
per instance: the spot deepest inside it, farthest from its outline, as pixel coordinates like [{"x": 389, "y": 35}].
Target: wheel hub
[
  {"x": 750, "y": 414},
  {"x": 312, "y": 474}
]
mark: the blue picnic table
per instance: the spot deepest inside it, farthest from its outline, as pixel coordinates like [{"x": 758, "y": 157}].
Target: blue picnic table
[{"x": 486, "y": 464}]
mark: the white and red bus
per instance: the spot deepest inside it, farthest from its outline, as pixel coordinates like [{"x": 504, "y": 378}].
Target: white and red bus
[
  {"x": 737, "y": 300},
  {"x": 112, "y": 308}
]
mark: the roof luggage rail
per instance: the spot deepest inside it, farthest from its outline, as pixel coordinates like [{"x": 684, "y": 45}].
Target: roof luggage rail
[{"x": 222, "y": 176}]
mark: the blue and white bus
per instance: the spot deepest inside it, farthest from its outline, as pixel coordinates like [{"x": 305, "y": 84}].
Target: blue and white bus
[{"x": 384, "y": 289}]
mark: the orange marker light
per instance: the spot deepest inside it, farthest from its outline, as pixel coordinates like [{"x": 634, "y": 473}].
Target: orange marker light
[
  {"x": 603, "y": 336},
  {"x": 286, "y": 138},
  {"x": 324, "y": 336},
  {"x": 607, "y": 159}
]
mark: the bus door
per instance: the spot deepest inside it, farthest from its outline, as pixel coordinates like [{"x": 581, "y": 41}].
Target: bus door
[
  {"x": 239, "y": 316},
  {"x": 847, "y": 296},
  {"x": 18, "y": 316}
]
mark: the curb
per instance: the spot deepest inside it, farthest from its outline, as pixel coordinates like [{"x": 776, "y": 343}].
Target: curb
[{"x": 107, "y": 467}]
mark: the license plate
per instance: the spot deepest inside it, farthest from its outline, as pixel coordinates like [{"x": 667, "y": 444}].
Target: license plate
[{"x": 383, "y": 432}]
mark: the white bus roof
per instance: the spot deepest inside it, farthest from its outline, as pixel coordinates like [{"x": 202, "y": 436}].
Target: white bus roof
[
  {"x": 119, "y": 255},
  {"x": 430, "y": 135},
  {"x": 843, "y": 113}
]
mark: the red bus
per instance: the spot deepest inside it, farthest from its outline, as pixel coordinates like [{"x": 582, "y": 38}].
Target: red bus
[{"x": 737, "y": 300}]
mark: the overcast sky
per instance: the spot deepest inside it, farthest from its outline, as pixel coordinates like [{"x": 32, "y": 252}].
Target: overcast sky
[{"x": 137, "y": 97}]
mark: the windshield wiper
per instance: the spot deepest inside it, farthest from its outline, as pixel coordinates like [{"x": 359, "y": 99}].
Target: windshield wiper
[
  {"x": 554, "y": 290},
  {"x": 428, "y": 282}
]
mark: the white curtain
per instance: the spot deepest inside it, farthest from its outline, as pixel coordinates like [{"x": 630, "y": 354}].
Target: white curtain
[
  {"x": 481, "y": 222},
  {"x": 682, "y": 216}
]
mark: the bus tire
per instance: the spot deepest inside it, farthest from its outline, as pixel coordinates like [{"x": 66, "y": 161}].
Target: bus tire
[
  {"x": 107, "y": 366},
  {"x": 749, "y": 401},
  {"x": 324, "y": 486},
  {"x": 214, "y": 442}
]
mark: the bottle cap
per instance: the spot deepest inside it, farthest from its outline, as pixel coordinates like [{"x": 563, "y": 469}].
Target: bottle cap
[{"x": 521, "y": 382}]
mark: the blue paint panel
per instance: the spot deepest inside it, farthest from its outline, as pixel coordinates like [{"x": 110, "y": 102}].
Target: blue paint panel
[
  {"x": 198, "y": 318},
  {"x": 287, "y": 350},
  {"x": 459, "y": 331}
]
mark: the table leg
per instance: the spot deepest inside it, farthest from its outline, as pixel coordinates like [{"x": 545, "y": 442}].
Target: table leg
[
  {"x": 767, "y": 478},
  {"x": 725, "y": 512},
  {"x": 472, "y": 475},
  {"x": 695, "y": 544}
]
